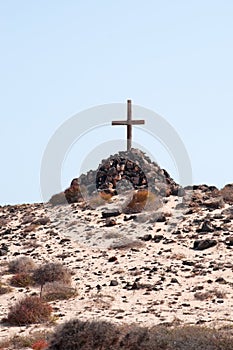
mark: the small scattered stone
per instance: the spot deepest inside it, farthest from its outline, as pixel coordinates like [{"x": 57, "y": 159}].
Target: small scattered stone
[
  {"x": 146, "y": 238},
  {"x": 174, "y": 280},
  {"x": 157, "y": 238},
  {"x": 229, "y": 241},
  {"x": 110, "y": 222},
  {"x": 113, "y": 283},
  {"x": 109, "y": 213},
  {"x": 221, "y": 280},
  {"x": 112, "y": 259}
]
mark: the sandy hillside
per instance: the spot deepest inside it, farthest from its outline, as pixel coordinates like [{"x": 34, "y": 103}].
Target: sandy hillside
[{"x": 158, "y": 266}]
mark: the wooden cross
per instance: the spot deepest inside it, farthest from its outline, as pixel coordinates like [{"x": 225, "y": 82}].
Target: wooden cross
[{"x": 129, "y": 122}]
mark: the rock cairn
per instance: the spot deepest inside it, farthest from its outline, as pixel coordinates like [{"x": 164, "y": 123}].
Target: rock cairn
[
  {"x": 131, "y": 169},
  {"x": 119, "y": 168}
]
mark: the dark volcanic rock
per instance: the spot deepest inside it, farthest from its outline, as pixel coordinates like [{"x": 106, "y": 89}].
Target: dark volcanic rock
[
  {"x": 129, "y": 170},
  {"x": 136, "y": 170},
  {"x": 110, "y": 222},
  {"x": 110, "y": 212},
  {"x": 204, "y": 244},
  {"x": 206, "y": 226},
  {"x": 113, "y": 283},
  {"x": 73, "y": 193},
  {"x": 42, "y": 221},
  {"x": 157, "y": 238},
  {"x": 3, "y": 249},
  {"x": 146, "y": 238},
  {"x": 229, "y": 241}
]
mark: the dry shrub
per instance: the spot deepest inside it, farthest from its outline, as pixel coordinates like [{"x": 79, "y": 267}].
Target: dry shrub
[
  {"x": 52, "y": 272},
  {"x": 138, "y": 202},
  {"x": 101, "y": 335},
  {"x": 22, "y": 264},
  {"x": 153, "y": 201},
  {"x": 58, "y": 291},
  {"x": 29, "y": 310},
  {"x": 201, "y": 338},
  {"x": 21, "y": 280},
  {"x": 100, "y": 199},
  {"x": 31, "y": 228},
  {"x": 106, "y": 196},
  {"x": 112, "y": 234},
  {"x": 28, "y": 341},
  {"x": 214, "y": 293},
  {"x": 135, "y": 338},
  {"x": 4, "y": 289},
  {"x": 40, "y": 344},
  {"x": 42, "y": 221},
  {"x": 76, "y": 334},
  {"x": 58, "y": 199},
  {"x": 127, "y": 243}
]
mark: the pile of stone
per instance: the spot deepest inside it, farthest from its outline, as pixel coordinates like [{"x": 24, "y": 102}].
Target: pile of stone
[
  {"x": 126, "y": 170},
  {"x": 117, "y": 169},
  {"x": 132, "y": 169}
]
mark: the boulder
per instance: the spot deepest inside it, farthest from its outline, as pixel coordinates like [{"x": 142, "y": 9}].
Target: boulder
[{"x": 204, "y": 244}]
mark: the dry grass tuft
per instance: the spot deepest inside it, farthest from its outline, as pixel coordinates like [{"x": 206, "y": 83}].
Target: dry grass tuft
[{"x": 58, "y": 291}]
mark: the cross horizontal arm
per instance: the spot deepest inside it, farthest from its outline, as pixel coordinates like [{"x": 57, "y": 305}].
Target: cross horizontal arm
[{"x": 128, "y": 122}]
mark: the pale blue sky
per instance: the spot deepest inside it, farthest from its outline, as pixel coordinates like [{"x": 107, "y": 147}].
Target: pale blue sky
[{"x": 61, "y": 57}]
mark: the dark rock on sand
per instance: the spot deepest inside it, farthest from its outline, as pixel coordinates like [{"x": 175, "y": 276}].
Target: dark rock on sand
[{"x": 204, "y": 244}]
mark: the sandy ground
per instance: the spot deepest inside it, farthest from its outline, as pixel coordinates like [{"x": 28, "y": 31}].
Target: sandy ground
[{"x": 149, "y": 282}]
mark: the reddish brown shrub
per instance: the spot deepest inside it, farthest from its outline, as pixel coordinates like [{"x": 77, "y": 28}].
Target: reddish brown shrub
[
  {"x": 40, "y": 345},
  {"x": 29, "y": 310},
  {"x": 21, "y": 280}
]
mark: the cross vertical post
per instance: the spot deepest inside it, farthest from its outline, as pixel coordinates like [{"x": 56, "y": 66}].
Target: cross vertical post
[{"x": 129, "y": 123}]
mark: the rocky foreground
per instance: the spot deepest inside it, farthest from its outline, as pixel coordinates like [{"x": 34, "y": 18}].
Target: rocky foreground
[
  {"x": 170, "y": 263},
  {"x": 173, "y": 264}
]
